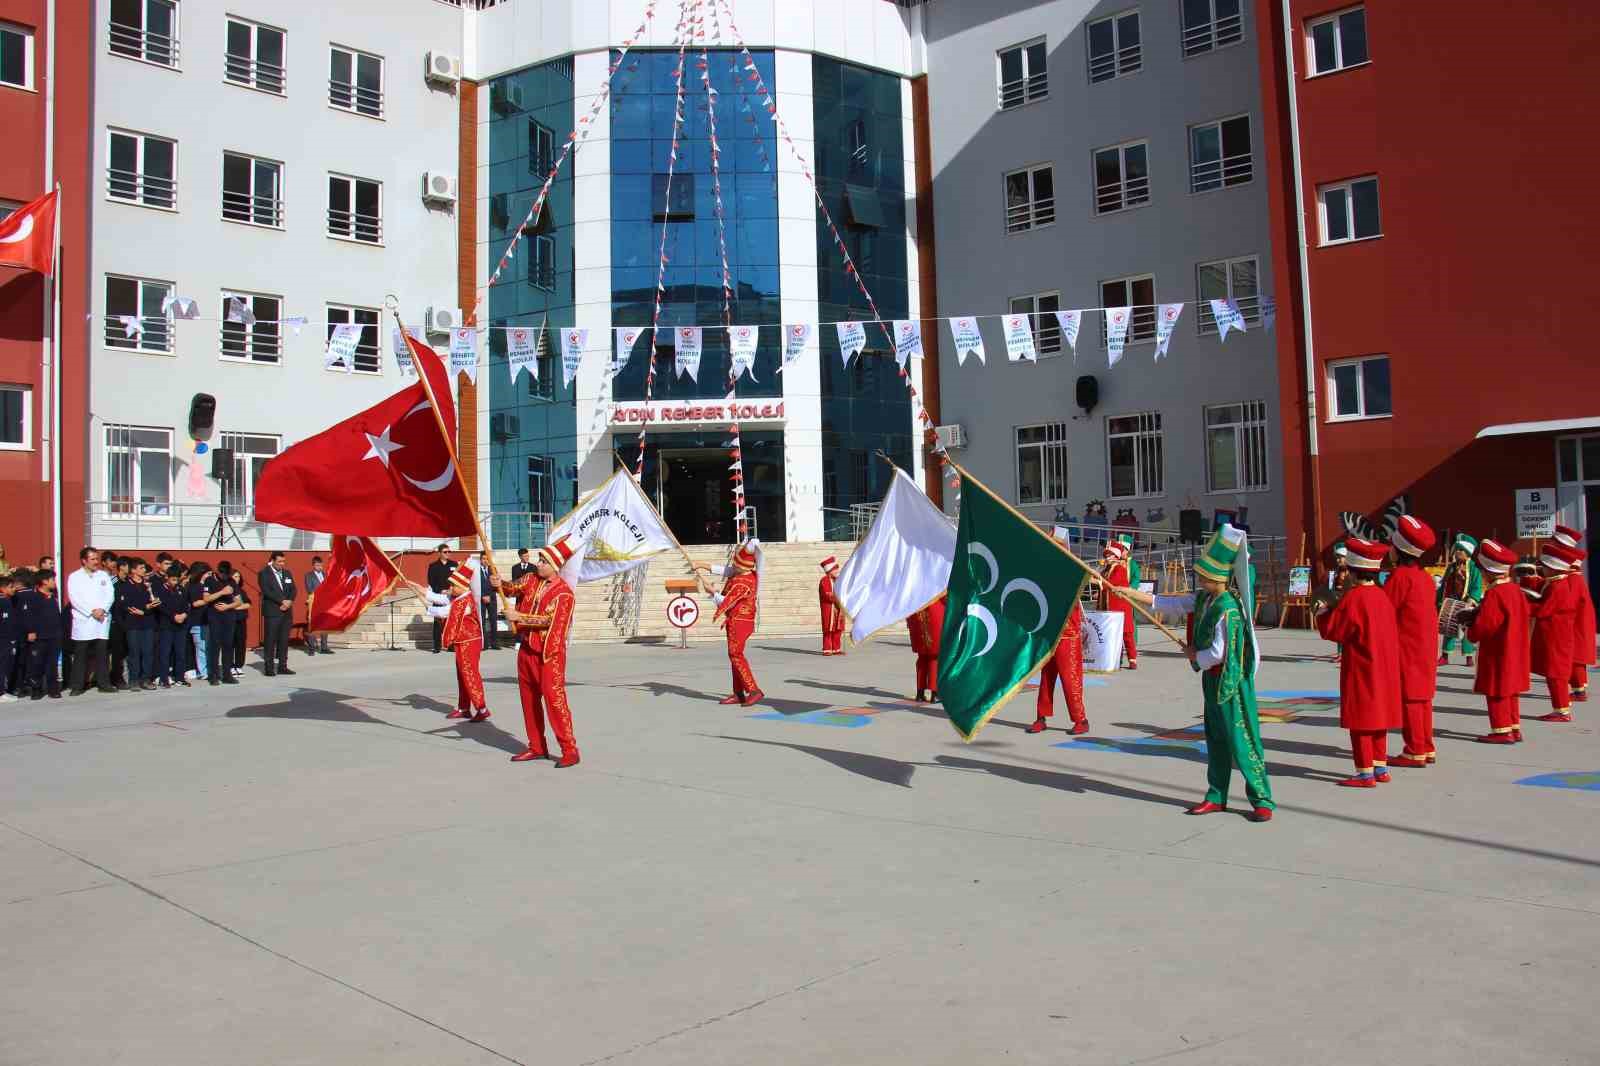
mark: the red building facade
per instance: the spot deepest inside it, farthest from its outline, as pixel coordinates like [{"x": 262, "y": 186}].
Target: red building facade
[
  {"x": 28, "y": 486},
  {"x": 1448, "y": 225}
]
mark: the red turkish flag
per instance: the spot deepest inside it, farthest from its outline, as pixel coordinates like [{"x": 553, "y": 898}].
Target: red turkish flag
[
  {"x": 28, "y": 235},
  {"x": 387, "y": 471},
  {"x": 360, "y": 576}
]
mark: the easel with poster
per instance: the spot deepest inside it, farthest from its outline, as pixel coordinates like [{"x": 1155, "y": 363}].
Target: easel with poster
[{"x": 1298, "y": 593}]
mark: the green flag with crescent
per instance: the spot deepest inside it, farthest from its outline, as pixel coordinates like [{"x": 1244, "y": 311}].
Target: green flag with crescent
[{"x": 1011, "y": 590}]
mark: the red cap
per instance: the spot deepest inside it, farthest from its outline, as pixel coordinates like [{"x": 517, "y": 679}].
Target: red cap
[
  {"x": 830, "y": 563},
  {"x": 1557, "y": 556},
  {"x": 745, "y": 557},
  {"x": 1365, "y": 554},
  {"x": 558, "y": 553},
  {"x": 1568, "y": 536},
  {"x": 1494, "y": 557},
  {"x": 1413, "y": 536}
]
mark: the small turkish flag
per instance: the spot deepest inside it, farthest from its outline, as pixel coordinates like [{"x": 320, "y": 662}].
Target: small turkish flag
[
  {"x": 388, "y": 471},
  {"x": 360, "y": 576},
  {"x": 28, "y": 235}
]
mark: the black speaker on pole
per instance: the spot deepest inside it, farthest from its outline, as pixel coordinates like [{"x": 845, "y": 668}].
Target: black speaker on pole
[
  {"x": 1088, "y": 392},
  {"x": 202, "y": 415},
  {"x": 222, "y": 464},
  {"x": 1189, "y": 525}
]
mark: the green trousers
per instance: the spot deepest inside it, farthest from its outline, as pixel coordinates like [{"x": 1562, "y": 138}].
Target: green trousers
[
  {"x": 1458, "y": 639},
  {"x": 1233, "y": 738}
]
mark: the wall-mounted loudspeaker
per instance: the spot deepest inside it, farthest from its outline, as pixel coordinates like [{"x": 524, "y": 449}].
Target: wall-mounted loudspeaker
[
  {"x": 1088, "y": 393},
  {"x": 202, "y": 415}
]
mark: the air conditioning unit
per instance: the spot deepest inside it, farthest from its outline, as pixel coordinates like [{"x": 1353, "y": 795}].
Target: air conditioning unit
[
  {"x": 506, "y": 98},
  {"x": 504, "y": 426},
  {"x": 953, "y": 435},
  {"x": 438, "y": 188},
  {"x": 442, "y": 68},
  {"x": 443, "y": 319}
]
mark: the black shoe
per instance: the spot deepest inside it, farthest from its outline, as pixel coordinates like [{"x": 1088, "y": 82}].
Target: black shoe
[
  {"x": 214, "y": 681},
  {"x": 185, "y": 684},
  {"x": 148, "y": 685},
  {"x": 110, "y": 691},
  {"x": 270, "y": 672},
  {"x": 436, "y": 651},
  {"x": 285, "y": 670},
  {"x": 230, "y": 681},
  {"x": 40, "y": 695},
  {"x": 325, "y": 651},
  {"x": 55, "y": 695}
]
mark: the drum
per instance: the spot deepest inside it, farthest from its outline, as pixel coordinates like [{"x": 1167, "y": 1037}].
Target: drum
[{"x": 1449, "y": 610}]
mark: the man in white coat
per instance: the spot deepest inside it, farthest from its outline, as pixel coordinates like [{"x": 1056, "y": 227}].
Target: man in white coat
[{"x": 90, "y": 593}]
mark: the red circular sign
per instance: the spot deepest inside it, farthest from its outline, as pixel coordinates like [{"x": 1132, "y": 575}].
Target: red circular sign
[{"x": 682, "y": 612}]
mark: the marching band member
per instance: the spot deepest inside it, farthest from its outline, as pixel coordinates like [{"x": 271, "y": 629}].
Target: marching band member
[
  {"x": 1410, "y": 591},
  {"x": 926, "y": 627},
  {"x": 463, "y": 633},
  {"x": 737, "y": 609},
  {"x": 1114, "y": 568},
  {"x": 543, "y": 619},
  {"x": 1462, "y": 581},
  {"x": 1363, "y": 624},
  {"x": 1499, "y": 627},
  {"x": 1583, "y": 646},
  {"x": 1555, "y": 612},
  {"x": 832, "y": 609}
]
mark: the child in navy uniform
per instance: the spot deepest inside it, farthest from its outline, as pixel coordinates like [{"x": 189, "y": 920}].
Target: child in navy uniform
[
  {"x": 41, "y": 633},
  {"x": 8, "y": 636}
]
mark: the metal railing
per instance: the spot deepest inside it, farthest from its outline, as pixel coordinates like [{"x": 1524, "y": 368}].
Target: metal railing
[
  {"x": 256, "y": 73},
  {"x": 134, "y": 41},
  {"x": 1202, "y": 38},
  {"x": 510, "y": 530},
  {"x": 348, "y": 96},
  {"x": 1030, "y": 214},
  {"x": 256, "y": 210},
  {"x": 1217, "y": 173},
  {"x": 1024, "y": 90},
  {"x": 1141, "y": 325},
  {"x": 141, "y": 188},
  {"x": 1108, "y": 65},
  {"x": 355, "y": 226},
  {"x": 1249, "y": 307},
  {"x": 1117, "y": 195},
  {"x": 154, "y": 334}
]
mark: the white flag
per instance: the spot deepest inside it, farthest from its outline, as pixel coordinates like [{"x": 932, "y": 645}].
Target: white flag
[
  {"x": 239, "y": 311},
  {"x": 1269, "y": 313},
  {"x": 615, "y": 529},
  {"x": 967, "y": 338},
  {"x": 572, "y": 345},
  {"x": 852, "y": 340},
  {"x": 795, "y": 338},
  {"x": 464, "y": 353},
  {"x": 1116, "y": 332},
  {"x": 179, "y": 306},
  {"x": 626, "y": 338},
  {"x": 689, "y": 345},
  {"x": 907, "y": 341},
  {"x": 342, "y": 346},
  {"x": 742, "y": 342},
  {"x": 402, "y": 354},
  {"x": 295, "y": 322},
  {"x": 1070, "y": 321},
  {"x": 901, "y": 565},
  {"x": 1019, "y": 338},
  {"x": 1166, "y": 319},
  {"x": 131, "y": 326},
  {"x": 1228, "y": 317},
  {"x": 522, "y": 352}
]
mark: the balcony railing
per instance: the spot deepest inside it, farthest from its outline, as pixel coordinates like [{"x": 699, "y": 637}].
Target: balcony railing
[
  {"x": 1030, "y": 214},
  {"x": 355, "y": 226},
  {"x": 1024, "y": 90},
  {"x": 138, "y": 43},
  {"x": 358, "y": 98},
  {"x": 155, "y": 333},
  {"x": 1249, "y": 308},
  {"x": 1116, "y": 196},
  {"x": 1202, "y": 38},
  {"x": 256, "y": 210},
  {"x": 256, "y": 73},
  {"x": 146, "y": 189},
  {"x": 1217, "y": 173},
  {"x": 1108, "y": 65}
]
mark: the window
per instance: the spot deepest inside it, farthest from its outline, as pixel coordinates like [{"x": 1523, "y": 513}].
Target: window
[
  {"x": 1138, "y": 293},
  {"x": 1228, "y": 279},
  {"x": 1121, "y": 177},
  {"x": 250, "y": 454},
  {"x": 8, "y": 208},
  {"x": 1349, "y": 211},
  {"x": 680, "y": 208},
  {"x": 1219, "y": 154},
  {"x": 252, "y": 190},
  {"x": 369, "y": 357},
  {"x": 259, "y": 337},
  {"x": 542, "y": 265},
  {"x": 542, "y": 484},
  {"x": 355, "y": 209},
  {"x": 542, "y": 149},
  {"x": 1030, "y": 198},
  {"x": 142, "y": 169},
  {"x": 1022, "y": 76},
  {"x": 1236, "y": 447},
  {"x": 1046, "y": 327},
  {"x": 16, "y": 418},
  {"x": 1114, "y": 48},
  {"x": 1359, "y": 388},
  {"x": 140, "y": 298},
  {"x": 145, "y": 29},
  {"x": 1337, "y": 41},
  {"x": 1134, "y": 455},
  {"x": 16, "y": 56},
  {"x": 1210, "y": 24},
  {"x": 355, "y": 82},
  {"x": 255, "y": 56},
  {"x": 138, "y": 471},
  {"x": 1042, "y": 463}
]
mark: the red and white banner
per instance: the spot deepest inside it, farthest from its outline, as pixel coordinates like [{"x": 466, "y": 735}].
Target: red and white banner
[{"x": 28, "y": 236}]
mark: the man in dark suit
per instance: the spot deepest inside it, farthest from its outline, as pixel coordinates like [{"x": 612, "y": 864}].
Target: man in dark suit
[
  {"x": 522, "y": 567},
  {"x": 439, "y": 581},
  {"x": 277, "y": 612},
  {"x": 490, "y": 607}
]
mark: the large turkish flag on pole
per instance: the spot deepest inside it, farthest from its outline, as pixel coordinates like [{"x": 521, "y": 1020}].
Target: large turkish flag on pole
[
  {"x": 360, "y": 576},
  {"x": 28, "y": 235},
  {"x": 389, "y": 471}
]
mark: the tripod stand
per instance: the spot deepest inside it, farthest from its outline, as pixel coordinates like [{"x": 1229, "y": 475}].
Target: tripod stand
[{"x": 221, "y": 530}]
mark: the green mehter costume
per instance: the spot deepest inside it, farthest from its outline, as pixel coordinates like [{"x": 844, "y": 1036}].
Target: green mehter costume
[{"x": 1461, "y": 581}]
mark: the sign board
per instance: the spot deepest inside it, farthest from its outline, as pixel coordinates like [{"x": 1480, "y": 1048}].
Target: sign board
[
  {"x": 703, "y": 413},
  {"x": 1536, "y": 513},
  {"x": 1300, "y": 581},
  {"x": 682, "y": 612}
]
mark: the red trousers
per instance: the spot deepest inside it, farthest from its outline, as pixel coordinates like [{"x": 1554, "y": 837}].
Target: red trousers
[
  {"x": 1417, "y": 726},
  {"x": 543, "y": 683},
  {"x": 1066, "y": 664},
  {"x": 928, "y": 673},
  {"x": 469, "y": 679},
  {"x": 1505, "y": 714},
  {"x": 744, "y": 679},
  {"x": 1580, "y": 678},
  {"x": 1560, "y": 693},
  {"x": 833, "y": 641},
  {"x": 1369, "y": 748}
]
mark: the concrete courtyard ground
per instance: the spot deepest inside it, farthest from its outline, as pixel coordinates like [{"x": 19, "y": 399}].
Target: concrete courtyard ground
[{"x": 321, "y": 869}]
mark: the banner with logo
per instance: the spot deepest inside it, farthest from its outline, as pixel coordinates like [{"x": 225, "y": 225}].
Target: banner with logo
[
  {"x": 964, "y": 331},
  {"x": 1116, "y": 332},
  {"x": 572, "y": 345},
  {"x": 1019, "y": 339},
  {"x": 464, "y": 352},
  {"x": 626, "y": 338},
  {"x": 907, "y": 341},
  {"x": 613, "y": 529},
  {"x": 1070, "y": 323},
  {"x": 1166, "y": 319},
  {"x": 742, "y": 342},
  {"x": 1228, "y": 317},
  {"x": 852, "y": 340},
  {"x": 1269, "y": 313},
  {"x": 522, "y": 352},
  {"x": 688, "y": 344},
  {"x": 796, "y": 336},
  {"x": 342, "y": 347}
]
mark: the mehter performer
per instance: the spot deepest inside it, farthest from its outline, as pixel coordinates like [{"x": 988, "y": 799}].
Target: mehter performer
[
  {"x": 543, "y": 620},
  {"x": 737, "y": 610},
  {"x": 463, "y": 634}
]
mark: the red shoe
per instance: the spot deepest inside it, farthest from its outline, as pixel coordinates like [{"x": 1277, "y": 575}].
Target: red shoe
[
  {"x": 568, "y": 758},
  {"x": 530, "y": 755},
  {"x": 1444, "y": 660},
  {"x": 1581, "y": 696},
  {"x": 1554, "y": 716},
  {"x": 1358, "y": 782},
  {"x": 729, "y": 701},
  {"x": 753, "y": 698},
  {"x": 1516, "y": 736},
  {"x": 1206, "y": 807},
  {"x": 1036, "y": 727},
  {"x": 457, "y": 713},
  {"x": 1381, "y": 776},
  {"x": 481, "y": 716},
  {"x": 1413, "y": 761},
  {"x": 1133, "y": 664},
  {"x": 1261, "y": 814},
  {"x": 1079, "y": 728},
  {"x": 1498, "y": 738}
]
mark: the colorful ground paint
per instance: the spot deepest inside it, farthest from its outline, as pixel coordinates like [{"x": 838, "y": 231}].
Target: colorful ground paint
[{"x": 1583, "y": 780}]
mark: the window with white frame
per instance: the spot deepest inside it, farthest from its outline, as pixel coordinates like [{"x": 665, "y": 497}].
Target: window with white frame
[
  {"x": 144, "y": 29},
  {"x": 1359, "y": 388},
  {"x": 16, "y": 417},
  {"x": 1138, "y": 293},
  {"x": 1041, "y": 311},
  {"x": 1030, "y": 198},
  {"x": 251, "y": 330},
  {"x": 1121, "y": 177},
  {"x": 141, "y": 300},
  {"x": 254, "y": 56},
  {"x": 142, "y": 169},
  {"x": 1238, "y": 280},
  {"x": 355, "y": 81},
  {"x": 16, "y": 56},
  {"x": 251, "y": 452},
  {"x": 1236, "y": 447},
  {"x": 1115, "y": 47},
  {"x": 1135, "y": 461},
  {"x": 1210, "y": 24},
  {"x": 542, "y": 263},
  {"x": 1021, "y": 73},
  {"x": 1219, "y": 154},
  {"x": 1042, "y": 463},
  {"x": 252, "y": 190},
  {"x": 138, "y": 471},
  {"x": 355, "y": 209},
  {"x": 1337, "y": 41},
  {"x": 541, "y": 148},
  {"x": 369, "y": 356},
  {"x": 1348, "y": 211}
]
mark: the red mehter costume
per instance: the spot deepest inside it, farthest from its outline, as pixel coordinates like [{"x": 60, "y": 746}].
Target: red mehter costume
[
  {"x": 463, "y": 633},
  {"x": 1067, "y": 665},
  {"x": 1583, "y": 647},
  {"x": 542, "y": 655},
  {"x": 1369, "y": 666},
  {"x": 1115, "y": 561},
  {"x": 1411, "y": 592},
  {"x": 925, "y": 627},
  {"x": 736, "y": 610},
  {"x": 832, "y": 613},
  {"x": 1500, "y": 629},
  {"x": 1555, "y": 616}
]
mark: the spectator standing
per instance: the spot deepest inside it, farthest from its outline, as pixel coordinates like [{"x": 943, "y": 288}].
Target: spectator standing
[
  {"x": 138, "y": 607},
  {"x": 90, "y": 596},
  {"x": 220, "y": 594},
  {"x": 172, "y": 628},
  {"x": 9, "y": 626},
  {"x": 117, "y": 638},
  {"x": 315, "y": 642},
  {"x": 439, "y": 581},
  {"x": 491, "y": 606},
  {"x": 522, "y": 567},
  {"x": 277, "y": 614},
  {"x": 199, "y": 621},
  {"x": 41, "y": 632}
]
